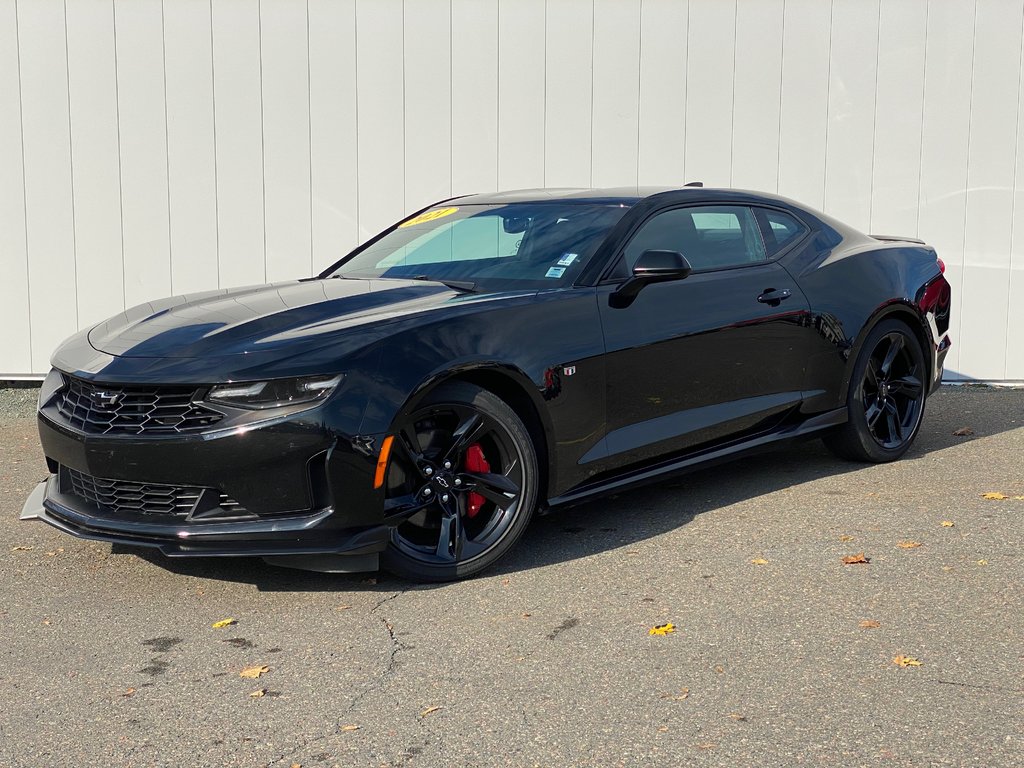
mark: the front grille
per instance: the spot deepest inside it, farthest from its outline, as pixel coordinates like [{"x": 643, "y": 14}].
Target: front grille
[
  {"x": 123, "y": 497},
  {"x": 132, "y": 410}
]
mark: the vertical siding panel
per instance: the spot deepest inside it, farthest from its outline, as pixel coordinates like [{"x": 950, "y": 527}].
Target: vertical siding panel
[
  {"x": 92, "y": 88},
  {"x": 616, "y": 92},
  {"x": 568, "y": 100},
  {"x": 851, "y": 111},
  {"x": 898, "y": 117},
  {"x": 944, "y": 139},
  {"x": 16, "y": 351},
  {"x": 662, "y": 108},
  {"x": 756, "y": 98},
  {"x": 521, "y": 106},
  {"x": 286, "y": 167},
  {"x": 1014, "y": 369},
  {"x": 238, "y": 137},
  {"x": 332, "y": 127},
  {"x": 474, "y": 96},
  {"x": 142, "y": 119},
  {"x": 428, "y": 103},
  {"x": 49, "y": 205},
  {"x": 990, "y": 179},
  {"x": 805, "y": 86},
  {"x": 379, "y": 32},
  {"x": 709, "y": 91},
  {"x": 191, "y": 156}
]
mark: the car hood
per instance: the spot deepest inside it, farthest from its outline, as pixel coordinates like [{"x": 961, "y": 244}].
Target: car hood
[{"x": 266, "y": 318}]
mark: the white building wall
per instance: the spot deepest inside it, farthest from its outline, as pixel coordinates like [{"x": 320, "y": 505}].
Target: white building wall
[{"x": 151, "y": 147}]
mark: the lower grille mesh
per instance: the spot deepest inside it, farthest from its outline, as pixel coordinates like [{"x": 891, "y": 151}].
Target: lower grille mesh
[{"x": 123, "y": 497}]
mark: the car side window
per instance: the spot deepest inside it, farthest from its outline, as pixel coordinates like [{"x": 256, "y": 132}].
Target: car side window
[
  {"x": 779, "y": 229},
  {"x": 709, "y": 236}
]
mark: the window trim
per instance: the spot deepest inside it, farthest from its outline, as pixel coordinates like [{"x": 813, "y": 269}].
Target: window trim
[{"x": 608, "y": 279}]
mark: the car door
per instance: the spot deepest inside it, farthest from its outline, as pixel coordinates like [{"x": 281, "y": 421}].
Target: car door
[{"x": 701, "y": 360}]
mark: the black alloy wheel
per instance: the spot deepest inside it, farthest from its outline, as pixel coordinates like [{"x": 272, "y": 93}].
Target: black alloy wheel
[
  {"x": 461, "y": 485},
  {"x": 886, "y": 399}
]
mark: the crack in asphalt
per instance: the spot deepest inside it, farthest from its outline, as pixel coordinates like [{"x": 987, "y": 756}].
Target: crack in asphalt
[{"x": 974, "y": 685}]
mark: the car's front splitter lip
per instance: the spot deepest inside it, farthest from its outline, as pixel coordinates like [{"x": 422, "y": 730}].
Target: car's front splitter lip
[{"x": 295, "y": 536}]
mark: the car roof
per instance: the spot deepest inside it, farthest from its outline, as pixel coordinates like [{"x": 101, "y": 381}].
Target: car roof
[{"x": 613, "y": 195}]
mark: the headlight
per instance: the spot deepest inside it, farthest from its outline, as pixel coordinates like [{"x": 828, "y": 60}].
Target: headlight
[
  {"x": 52, "y": 384},
  {"x": 275, "y": 393}
]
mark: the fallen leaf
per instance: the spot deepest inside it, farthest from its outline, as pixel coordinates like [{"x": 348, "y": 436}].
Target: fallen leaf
[
  {"x": 663, "y": 729},
  {"x": 857, "y": 559},
  {"x": 254, "y": 672},
  {"x": 351, "y": 727},
  {"x": 343, "y": 607},
  {"x": 846, "y": 537},
  {"x": 258, "y": 694},
  {"x": 371, "y": 581},
  {"x": 759, "y": 561},
  {"x": 129, "y": 692},
  {"x": 296, "y": 765},
  {"x": 21, "y": 549},
  {"x": 994, "y": 495},
  {"x": 429, "y": 711},
  {"x": 869, "y": 624},
  {"x": 908, "y": 544},
  {"x": 719, "y": 669},
  {"x": 947, "y": 568},
  {"x": 47, "y": 622},
  {"x": 525, "y": 615},
  {"x": 1018, "y": 498},
  {"x": 684, "y": 693},
  {"x": 707, "y": 745},
  {"x": 983, "y": 562},
  {"x": 738, "y": 717},
  {"x": 223, "y": 623},
  {"x": 662, "y": 629},
  {"x": 906, "y": 661},
  {"x": 948, "y": 524},
  {"x": 963, "y": 432},
  {"x": 505, "y": 582}
]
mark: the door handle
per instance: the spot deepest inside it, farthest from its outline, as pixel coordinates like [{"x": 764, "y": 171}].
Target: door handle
[{"x": 773, "y": 297}]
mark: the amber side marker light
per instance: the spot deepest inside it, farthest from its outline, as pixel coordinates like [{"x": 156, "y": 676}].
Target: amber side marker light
[{"x": 382, "y": 461}]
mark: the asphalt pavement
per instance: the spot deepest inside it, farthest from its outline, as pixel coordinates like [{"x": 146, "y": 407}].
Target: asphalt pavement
[{"x": 781, "y": 654}]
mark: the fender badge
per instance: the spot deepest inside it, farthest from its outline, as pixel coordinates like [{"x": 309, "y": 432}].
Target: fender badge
[{"x": 568, "y": 370}]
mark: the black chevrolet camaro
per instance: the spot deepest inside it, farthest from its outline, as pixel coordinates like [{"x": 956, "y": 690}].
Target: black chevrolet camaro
[{"x": 489, "y": 357}]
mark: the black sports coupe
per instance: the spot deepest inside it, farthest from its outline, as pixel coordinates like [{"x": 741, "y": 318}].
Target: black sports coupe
[{"x": 486, "y": 358}]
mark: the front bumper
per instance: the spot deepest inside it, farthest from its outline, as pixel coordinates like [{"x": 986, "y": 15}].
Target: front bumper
[{"x": 301, "y": 488}]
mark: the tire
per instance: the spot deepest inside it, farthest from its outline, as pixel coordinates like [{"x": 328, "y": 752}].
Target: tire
[
  {"x": 458, "y": 519},
  {"x": 886, "y": 399}
]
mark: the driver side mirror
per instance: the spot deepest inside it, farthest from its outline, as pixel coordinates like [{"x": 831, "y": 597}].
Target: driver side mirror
[{"x": 651, "y": 267}]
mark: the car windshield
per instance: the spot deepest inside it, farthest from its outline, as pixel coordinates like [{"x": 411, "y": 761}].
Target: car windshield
[{"x": 489, "y": 247}]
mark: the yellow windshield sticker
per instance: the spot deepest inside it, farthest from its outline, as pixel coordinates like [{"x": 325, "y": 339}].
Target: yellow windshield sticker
[{"x": 423, "y": 218}]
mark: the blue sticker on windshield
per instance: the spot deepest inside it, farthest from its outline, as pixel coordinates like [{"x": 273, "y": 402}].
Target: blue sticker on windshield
[
  {"x": 555, "y": 272},
  {"x": 567, "y": 259}
]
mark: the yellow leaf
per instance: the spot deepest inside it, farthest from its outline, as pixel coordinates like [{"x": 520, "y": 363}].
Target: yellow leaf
[
  {"x": 662, "y": 629},
  {"x": 869, "y": 624},
  {"x": 254, "y": 672},
  {"x": 906, "y": 661},
  {"x": 738, "y": 717},
  {"x": 1019, "y": 498},
  {"x": 857, "y": 559},
  {"x": 351, "y": 727},
  {"x": 846, "y": 537},
  {"x": 948, "y": 524},
  {"x": 983, "y": 562},
  {"x": 996, "y": 495},
  {"x": 223, "y": 623},
  {"x": 759, "y": 561},
  {"x": 21, "y": 549},
  {"x": 428, "y": 711},
  {"x": 258, "y": 694},
  {"x": 908, "y": 544},
  {"x": 129, "y": 692}
]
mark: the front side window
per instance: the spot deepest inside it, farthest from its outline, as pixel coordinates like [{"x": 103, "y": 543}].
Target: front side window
[
  {"x": 710, "y": 237},
  {"x": 493, "y": 247}
]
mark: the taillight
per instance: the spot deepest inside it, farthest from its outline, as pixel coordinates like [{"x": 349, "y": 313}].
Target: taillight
[{"x": 942, "y": 265}]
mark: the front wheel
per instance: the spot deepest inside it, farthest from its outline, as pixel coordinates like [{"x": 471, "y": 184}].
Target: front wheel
[
  {"x": 886, "y": 398},
  {"x": 461, "y": 485}
]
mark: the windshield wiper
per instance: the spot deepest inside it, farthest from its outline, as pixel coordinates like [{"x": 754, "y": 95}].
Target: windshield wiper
[{"x": 457, "y": 285}]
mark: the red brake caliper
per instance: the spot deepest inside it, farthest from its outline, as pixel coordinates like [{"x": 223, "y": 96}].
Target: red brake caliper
[{"x": 476, "y": 463}]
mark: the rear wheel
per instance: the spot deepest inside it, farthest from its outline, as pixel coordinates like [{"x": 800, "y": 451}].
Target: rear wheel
[
  {"x": 886, "y": 398},
  {"x": 461, "y": 485}
]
